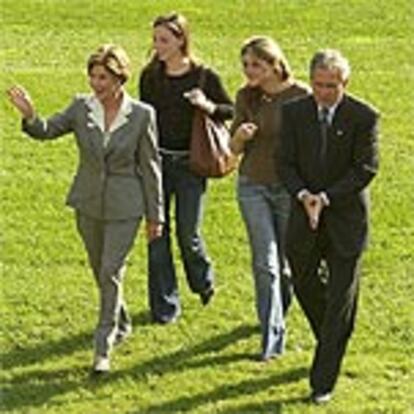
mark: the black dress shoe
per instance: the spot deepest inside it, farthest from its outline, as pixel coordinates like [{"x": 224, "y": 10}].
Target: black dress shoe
[
  {"x": 122, "y": 334},
  {"x": 320, "y": 397},
  {"x": 206, "y": 295},
  {"x": 165, "y": 321}
]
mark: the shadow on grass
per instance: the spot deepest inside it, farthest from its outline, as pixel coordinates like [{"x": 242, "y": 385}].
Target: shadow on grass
[
  {"x": 187, "y": 357},
  {"x": 23, "y": 356},
  {"x": 248, "y": 387},
  {"x": 272, "y": 406},
  {"x": 34, "y": 394},
  {"x": 20, "y": 356},
  {"x": 36, "y": 387}
]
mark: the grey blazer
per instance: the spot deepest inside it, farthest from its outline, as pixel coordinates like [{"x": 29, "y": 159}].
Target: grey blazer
[{"x": 116, "y": 181}]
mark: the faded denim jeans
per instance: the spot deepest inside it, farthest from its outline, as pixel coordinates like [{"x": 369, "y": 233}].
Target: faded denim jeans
[{"x": 265, "y": 211}]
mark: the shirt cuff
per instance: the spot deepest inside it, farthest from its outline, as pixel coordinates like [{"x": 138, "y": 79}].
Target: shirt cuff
[
  {"x": 210, "y": 107},
  {"x": 325, "y": 199},
  {"x": 301, "y": 194},
  {"x": 30, "y": 121}
]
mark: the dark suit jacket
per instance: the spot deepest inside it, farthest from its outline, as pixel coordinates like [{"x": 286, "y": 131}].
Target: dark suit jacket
[
  {"x": 351, "y": 163},
  {"x": 116, "y": 182}
]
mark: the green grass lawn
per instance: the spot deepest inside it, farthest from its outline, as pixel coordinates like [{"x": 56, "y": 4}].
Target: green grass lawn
[{"x": 205, "y": 363}]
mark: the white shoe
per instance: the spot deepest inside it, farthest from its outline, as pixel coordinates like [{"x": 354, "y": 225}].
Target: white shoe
[
  {"x": 320, "y": 398},
  {"x": 101, "y": 364}
]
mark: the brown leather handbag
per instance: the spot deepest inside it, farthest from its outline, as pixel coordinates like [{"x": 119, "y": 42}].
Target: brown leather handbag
[{"x": 210, "y": 154}]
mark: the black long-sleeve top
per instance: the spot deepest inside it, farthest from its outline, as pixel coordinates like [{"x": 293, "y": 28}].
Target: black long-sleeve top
[{"x": 174, "y": 112}]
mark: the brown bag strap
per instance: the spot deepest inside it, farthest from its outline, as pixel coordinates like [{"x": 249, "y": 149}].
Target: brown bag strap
[{"x": 203, "y": 77}]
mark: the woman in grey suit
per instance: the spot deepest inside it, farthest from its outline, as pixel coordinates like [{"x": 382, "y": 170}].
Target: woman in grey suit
[{"x": 117, "y": 182}]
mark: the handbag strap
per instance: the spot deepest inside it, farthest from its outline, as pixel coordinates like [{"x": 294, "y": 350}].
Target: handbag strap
[{"x": 203, "y": 77}]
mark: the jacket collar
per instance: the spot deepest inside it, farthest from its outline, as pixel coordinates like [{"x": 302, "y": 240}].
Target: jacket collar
[
  {"x": 96, "y": 113},
  {"x": 334, "y": 110}
]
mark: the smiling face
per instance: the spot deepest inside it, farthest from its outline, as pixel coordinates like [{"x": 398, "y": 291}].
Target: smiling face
[
  {"x": 104, "y": 84},
  {"x": 257, "y": 71},
  {"x": 166, "y": 44},
  {"x": 328, "y": 86}
]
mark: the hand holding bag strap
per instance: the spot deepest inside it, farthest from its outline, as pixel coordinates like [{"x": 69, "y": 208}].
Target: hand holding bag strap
[{"x": 210, "y": 154}]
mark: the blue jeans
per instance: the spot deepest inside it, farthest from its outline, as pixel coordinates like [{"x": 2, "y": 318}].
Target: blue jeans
[
  {"x": 265, "y": 210},
  {"x": 188, "y": 191}
]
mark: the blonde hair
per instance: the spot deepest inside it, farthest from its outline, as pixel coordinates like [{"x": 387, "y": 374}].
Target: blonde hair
[
  {"x": 113, "y": 58},
  {"x": 265, "y": 48}
]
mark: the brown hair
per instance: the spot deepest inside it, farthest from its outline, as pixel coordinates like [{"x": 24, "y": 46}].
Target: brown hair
[
  {"x": 265, "y": 48},
  {"x": 177, "y": 24},
  {"x": 113, "y": 58}
]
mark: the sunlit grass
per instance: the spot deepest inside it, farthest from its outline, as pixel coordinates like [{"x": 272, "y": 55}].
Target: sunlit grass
[{"x": 205, "y": 363}]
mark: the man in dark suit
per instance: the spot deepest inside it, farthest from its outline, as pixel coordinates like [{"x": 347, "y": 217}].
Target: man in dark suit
[{"x": 329, "y": 156}]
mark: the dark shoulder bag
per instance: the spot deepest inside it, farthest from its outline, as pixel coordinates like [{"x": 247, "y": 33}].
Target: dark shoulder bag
[{"x": 210, "y": 154}]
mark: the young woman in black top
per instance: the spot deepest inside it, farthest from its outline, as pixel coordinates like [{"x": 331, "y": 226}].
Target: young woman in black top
[{"x": 170, "y": 82}]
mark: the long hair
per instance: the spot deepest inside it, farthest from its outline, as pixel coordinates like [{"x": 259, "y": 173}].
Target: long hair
[
  {"x": 265, "y": 48},
  {"x": 177, "y": 24},
  {"x": 154, "y": 70}
]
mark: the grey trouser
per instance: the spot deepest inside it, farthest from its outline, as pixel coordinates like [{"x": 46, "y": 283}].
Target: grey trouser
[{"x": 107, "y": 244}]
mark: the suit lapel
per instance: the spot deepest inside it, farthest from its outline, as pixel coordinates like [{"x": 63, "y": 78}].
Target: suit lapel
[
  {"x": 120, "y": 123},
  {"x": 313, "y": 129},
  {"x": 341, "y": 122},
  {"x": 95, "y": 131},
  {"x": 340, "y": 113},
  {"x": 117, "y": 135}
]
